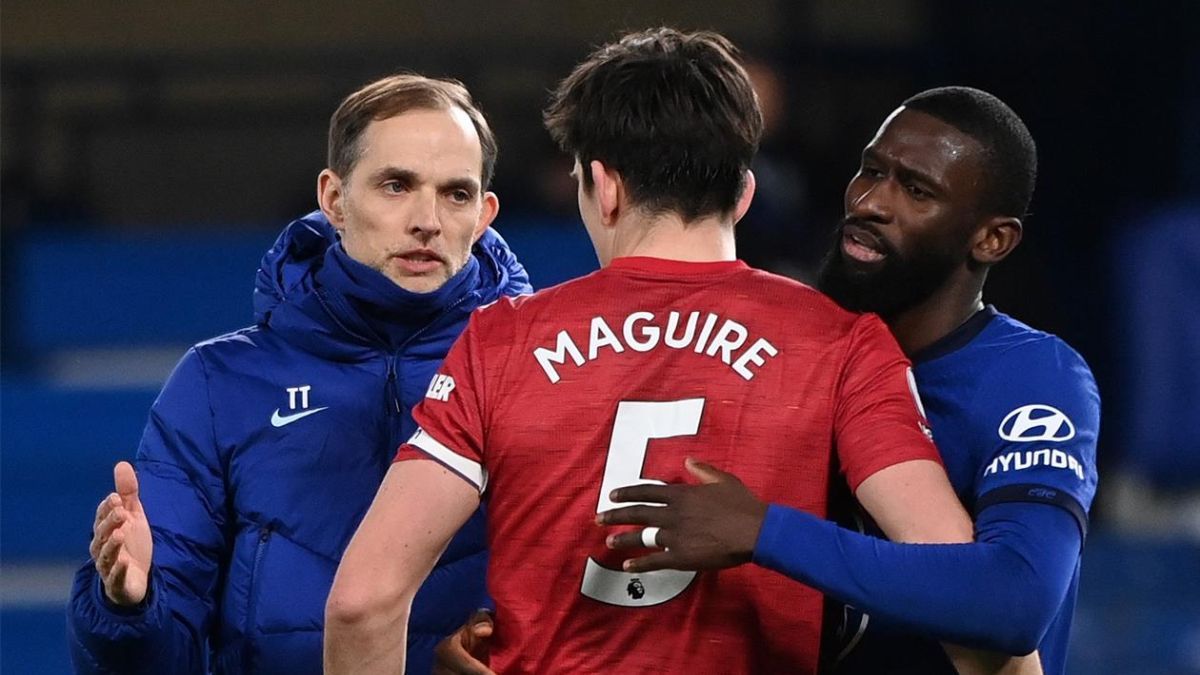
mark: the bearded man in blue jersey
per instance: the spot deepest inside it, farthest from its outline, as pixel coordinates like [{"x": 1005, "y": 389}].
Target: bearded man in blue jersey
[
  {"x": 267, "y": 445},
  {"x": 938, "y": 199}
]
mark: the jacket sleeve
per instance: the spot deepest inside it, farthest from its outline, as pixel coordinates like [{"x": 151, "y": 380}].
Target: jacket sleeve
[{"x": 182, "y": 489}]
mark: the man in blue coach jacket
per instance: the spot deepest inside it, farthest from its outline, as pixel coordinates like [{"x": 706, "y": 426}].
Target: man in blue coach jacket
[{"x": 266, "y": 446}]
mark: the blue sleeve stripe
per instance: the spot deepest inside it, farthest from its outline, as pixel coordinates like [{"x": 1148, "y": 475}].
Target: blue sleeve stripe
[{"x": 1038, "y": 494}]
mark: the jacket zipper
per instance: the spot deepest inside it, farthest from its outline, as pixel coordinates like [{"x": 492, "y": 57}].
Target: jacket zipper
[
  {"x": 260, "y": 551},
  {"x": 393, "y": 388},
  {"x": 396, "y": 406}
]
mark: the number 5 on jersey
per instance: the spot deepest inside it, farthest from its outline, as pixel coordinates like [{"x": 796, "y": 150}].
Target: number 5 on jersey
[{"x": 638, "y": 422}]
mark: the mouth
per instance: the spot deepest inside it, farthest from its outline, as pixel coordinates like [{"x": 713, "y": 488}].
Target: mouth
[
  {"x": 862, "y": 245},
  {"x": 418, "y": 261}
]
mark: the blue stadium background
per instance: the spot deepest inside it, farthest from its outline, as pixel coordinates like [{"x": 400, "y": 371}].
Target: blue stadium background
[{"x": 151, "y": 152}]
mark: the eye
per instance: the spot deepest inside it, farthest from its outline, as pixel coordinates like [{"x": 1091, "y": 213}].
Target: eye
[
  {"x": 460, "y": 196},
  {"x": 870, "y": 171},
  {"x": 394, "y": 187},
  {"x": 917, "y": 192}
]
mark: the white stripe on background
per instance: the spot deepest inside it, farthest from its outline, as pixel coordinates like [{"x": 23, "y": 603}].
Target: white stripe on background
[{"x": 29, "y": 586}]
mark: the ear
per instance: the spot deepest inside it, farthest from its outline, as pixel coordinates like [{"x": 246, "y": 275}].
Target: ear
[
  {"x": 610, "y": 191},
  {"x": 747, "y": 196},
  {"x": 329, "y": 197},
  {"x": 995, "y": 239},
  {"x": 491, "y": 207}
]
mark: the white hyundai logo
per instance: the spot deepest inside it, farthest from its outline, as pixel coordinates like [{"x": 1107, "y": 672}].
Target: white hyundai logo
[{"x": 1036, "y": 422}]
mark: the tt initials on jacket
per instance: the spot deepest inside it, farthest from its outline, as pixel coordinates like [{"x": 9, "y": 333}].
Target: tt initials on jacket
[{"x": 724, "y": 339}]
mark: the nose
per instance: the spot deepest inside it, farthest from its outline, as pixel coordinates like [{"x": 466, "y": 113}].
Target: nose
[
  {"x": 869, "y": 200},
  {"x": 426, "y": 221}
]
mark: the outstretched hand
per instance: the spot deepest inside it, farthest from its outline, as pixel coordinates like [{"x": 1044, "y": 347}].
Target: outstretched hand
[
  {"x": 466, "y": 651},
  {"x": 712, "y": 525},
  {"x": 121, "y": 542}
]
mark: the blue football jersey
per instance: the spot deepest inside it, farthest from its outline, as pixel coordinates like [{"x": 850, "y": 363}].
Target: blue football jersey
[{"x": 1015, "y": 413}]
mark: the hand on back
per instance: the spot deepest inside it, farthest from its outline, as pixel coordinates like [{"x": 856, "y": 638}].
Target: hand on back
[
  {"x": 466, "y": 651},
  {"x": 121, "y": 541},
  {"x": 712, "y": 525}
]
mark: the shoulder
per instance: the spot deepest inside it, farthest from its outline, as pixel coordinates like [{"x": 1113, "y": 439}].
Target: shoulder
[
  {"x": 238, "y": 340},
  {"x": 787, "y": 287},
  {"x": 806, "y": 303},
  {"x": 803, "y": 311},
  {"x": 242, "y": 343},
  {"x": 505, "y": 274},
  {"x": 1019, "y": 354},
  {"x": 242, "y": 353},
  {"x": 1035, "y": 386},
  {"x": 522, "y": 306}
]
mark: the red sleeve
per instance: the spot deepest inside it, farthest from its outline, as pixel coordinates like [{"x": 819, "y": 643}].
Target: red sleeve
[
  {"x": 450, "y": 417},
  {"x": 878, "y": 419}
]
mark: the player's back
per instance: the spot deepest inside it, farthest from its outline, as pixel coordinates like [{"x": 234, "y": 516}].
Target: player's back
[{"x": 614, "y": 379}]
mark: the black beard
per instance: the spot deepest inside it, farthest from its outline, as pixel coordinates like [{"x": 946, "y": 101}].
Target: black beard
[{"x": 897, "y": 285}]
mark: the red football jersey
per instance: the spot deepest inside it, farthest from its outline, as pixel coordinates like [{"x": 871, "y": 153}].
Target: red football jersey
[{"x": 549, "y": 402}]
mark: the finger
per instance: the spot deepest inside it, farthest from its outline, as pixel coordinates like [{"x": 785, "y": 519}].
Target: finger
[
  {"x": 104, "y": 530},
  {"x": 108, "y": 553},
  {"x": 634, "y": 539},
  {"x": 482, "y": 629},
  {"x": 454, "y": 656},
  {"x": 101, "y": 530},
  {"x": 656, "y": 494},
  {"x": 635, "y": 515},
  {"x": 126, "y": 481},
  {"x": 705, "y": 472},
  {"x": 115, "y": 579},
  {"x": 112, "y": 501},
  {"x": 624, "y": 540},
  {"x": 658, "y": 560}
]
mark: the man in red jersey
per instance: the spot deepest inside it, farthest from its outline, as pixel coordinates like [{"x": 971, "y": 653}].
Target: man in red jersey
[{"x": 550, "y": 402}]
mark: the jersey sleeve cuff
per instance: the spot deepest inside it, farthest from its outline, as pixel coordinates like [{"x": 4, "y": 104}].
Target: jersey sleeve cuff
[
  {"x": 1037, "y": 494},
  {"x": 775, "y": 548},
  {"x": 422, "y": 445}
]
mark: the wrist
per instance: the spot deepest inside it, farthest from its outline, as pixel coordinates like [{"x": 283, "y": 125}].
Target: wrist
[
  {"x": 124, "y": 603},
  {"x": 753, "y": 528},
  {"x": 773, "y": 519}
]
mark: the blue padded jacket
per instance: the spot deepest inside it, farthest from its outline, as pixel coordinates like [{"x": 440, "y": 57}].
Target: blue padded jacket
[{"x": 261, "y": 455}]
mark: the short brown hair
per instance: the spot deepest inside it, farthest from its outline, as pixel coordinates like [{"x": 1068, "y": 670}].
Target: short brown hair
[
  {"x": 395, "y": 95},
  {"x": 674, "y": 113}
]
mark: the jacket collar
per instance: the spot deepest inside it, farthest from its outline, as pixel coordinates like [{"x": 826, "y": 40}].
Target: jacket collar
[
  {"x": 372, "y": 306},
  {"x": 318, "y": 298}
]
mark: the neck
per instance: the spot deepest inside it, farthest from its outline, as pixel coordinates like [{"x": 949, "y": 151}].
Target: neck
[
  {"x": 938, "y": 315},
  {"x": 669, "y": 237}
]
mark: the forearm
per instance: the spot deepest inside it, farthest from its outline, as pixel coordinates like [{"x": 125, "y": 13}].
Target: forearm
[
  {"x": 998, "y": 594},
  {"x": 390, "y": 555},
  {"x": 372, "y": 641}
]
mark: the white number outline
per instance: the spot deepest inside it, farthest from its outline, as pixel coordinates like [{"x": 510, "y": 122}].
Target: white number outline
[{"x": 635, "y": 425}]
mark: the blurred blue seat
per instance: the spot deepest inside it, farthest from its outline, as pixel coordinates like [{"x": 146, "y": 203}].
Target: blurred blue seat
[
  {"x": 59, "y": 448},
  {"x": 85, "y": 289}
]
